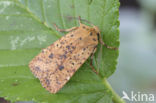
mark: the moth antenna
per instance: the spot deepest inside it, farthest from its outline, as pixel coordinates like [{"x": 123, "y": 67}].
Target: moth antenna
[
  {"x": 79, "y": 19},
  {"x": 88, "y": 22},
  {"x": 64, "y": 30}
]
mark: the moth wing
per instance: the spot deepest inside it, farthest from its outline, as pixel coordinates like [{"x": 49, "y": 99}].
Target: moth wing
[{"x": 55, "y": 65}]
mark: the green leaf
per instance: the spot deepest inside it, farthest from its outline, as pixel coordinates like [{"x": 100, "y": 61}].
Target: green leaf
[{"x": 26, "y": 28}]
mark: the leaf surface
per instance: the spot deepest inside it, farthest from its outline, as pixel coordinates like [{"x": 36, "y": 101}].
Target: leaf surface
[{"x": 26, "y": 28}]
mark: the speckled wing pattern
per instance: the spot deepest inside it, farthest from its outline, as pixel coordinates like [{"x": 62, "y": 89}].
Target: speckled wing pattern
[{"x": 57, "y": 63}]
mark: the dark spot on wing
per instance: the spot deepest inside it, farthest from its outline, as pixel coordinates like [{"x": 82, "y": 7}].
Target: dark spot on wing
[
  {"x": 80, "y": 38},
  {"x": 73, "y": 47},
  {"x": 94, "y": 39},
  {"x": 84, "y": 49},
  {"x": 61, "y": 67},
  {"x": 47, "y": 81},
  {"x": 51, "y": 56},
  {"x": 63, "y": 56},
  {"x": 68, "y": 47},
  {"x": 71, "y": 35},
  {"x": 37, "y": 68}
]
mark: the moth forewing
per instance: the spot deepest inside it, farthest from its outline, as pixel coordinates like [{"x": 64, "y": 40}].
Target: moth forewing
[{"x": 57, "y": 63}]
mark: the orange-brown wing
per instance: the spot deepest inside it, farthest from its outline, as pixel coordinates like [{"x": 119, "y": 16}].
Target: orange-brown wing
[{"x": 55, "y": 65}]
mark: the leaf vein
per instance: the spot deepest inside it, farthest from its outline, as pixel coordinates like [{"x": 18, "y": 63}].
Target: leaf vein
[
  {"x": 42, "y": 8},
  {"x": 61, "y": 16}
]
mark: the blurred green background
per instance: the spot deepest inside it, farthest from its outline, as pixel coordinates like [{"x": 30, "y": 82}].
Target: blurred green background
[{"x": 136, "y": 70}]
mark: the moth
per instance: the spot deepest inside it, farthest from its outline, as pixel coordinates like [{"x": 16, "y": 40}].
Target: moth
[{"x": 57, "y": 63}]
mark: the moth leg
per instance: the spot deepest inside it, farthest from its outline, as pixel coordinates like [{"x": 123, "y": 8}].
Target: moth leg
[
  {"x": 109, "y": 47},
  {"x": 79, "y": 20},
  {"x": 91, "y": 62},
  {"x": 65, "y": 30}
]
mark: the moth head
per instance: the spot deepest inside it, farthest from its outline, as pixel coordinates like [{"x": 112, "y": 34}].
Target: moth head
[{"x": 97, "y": 30}]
